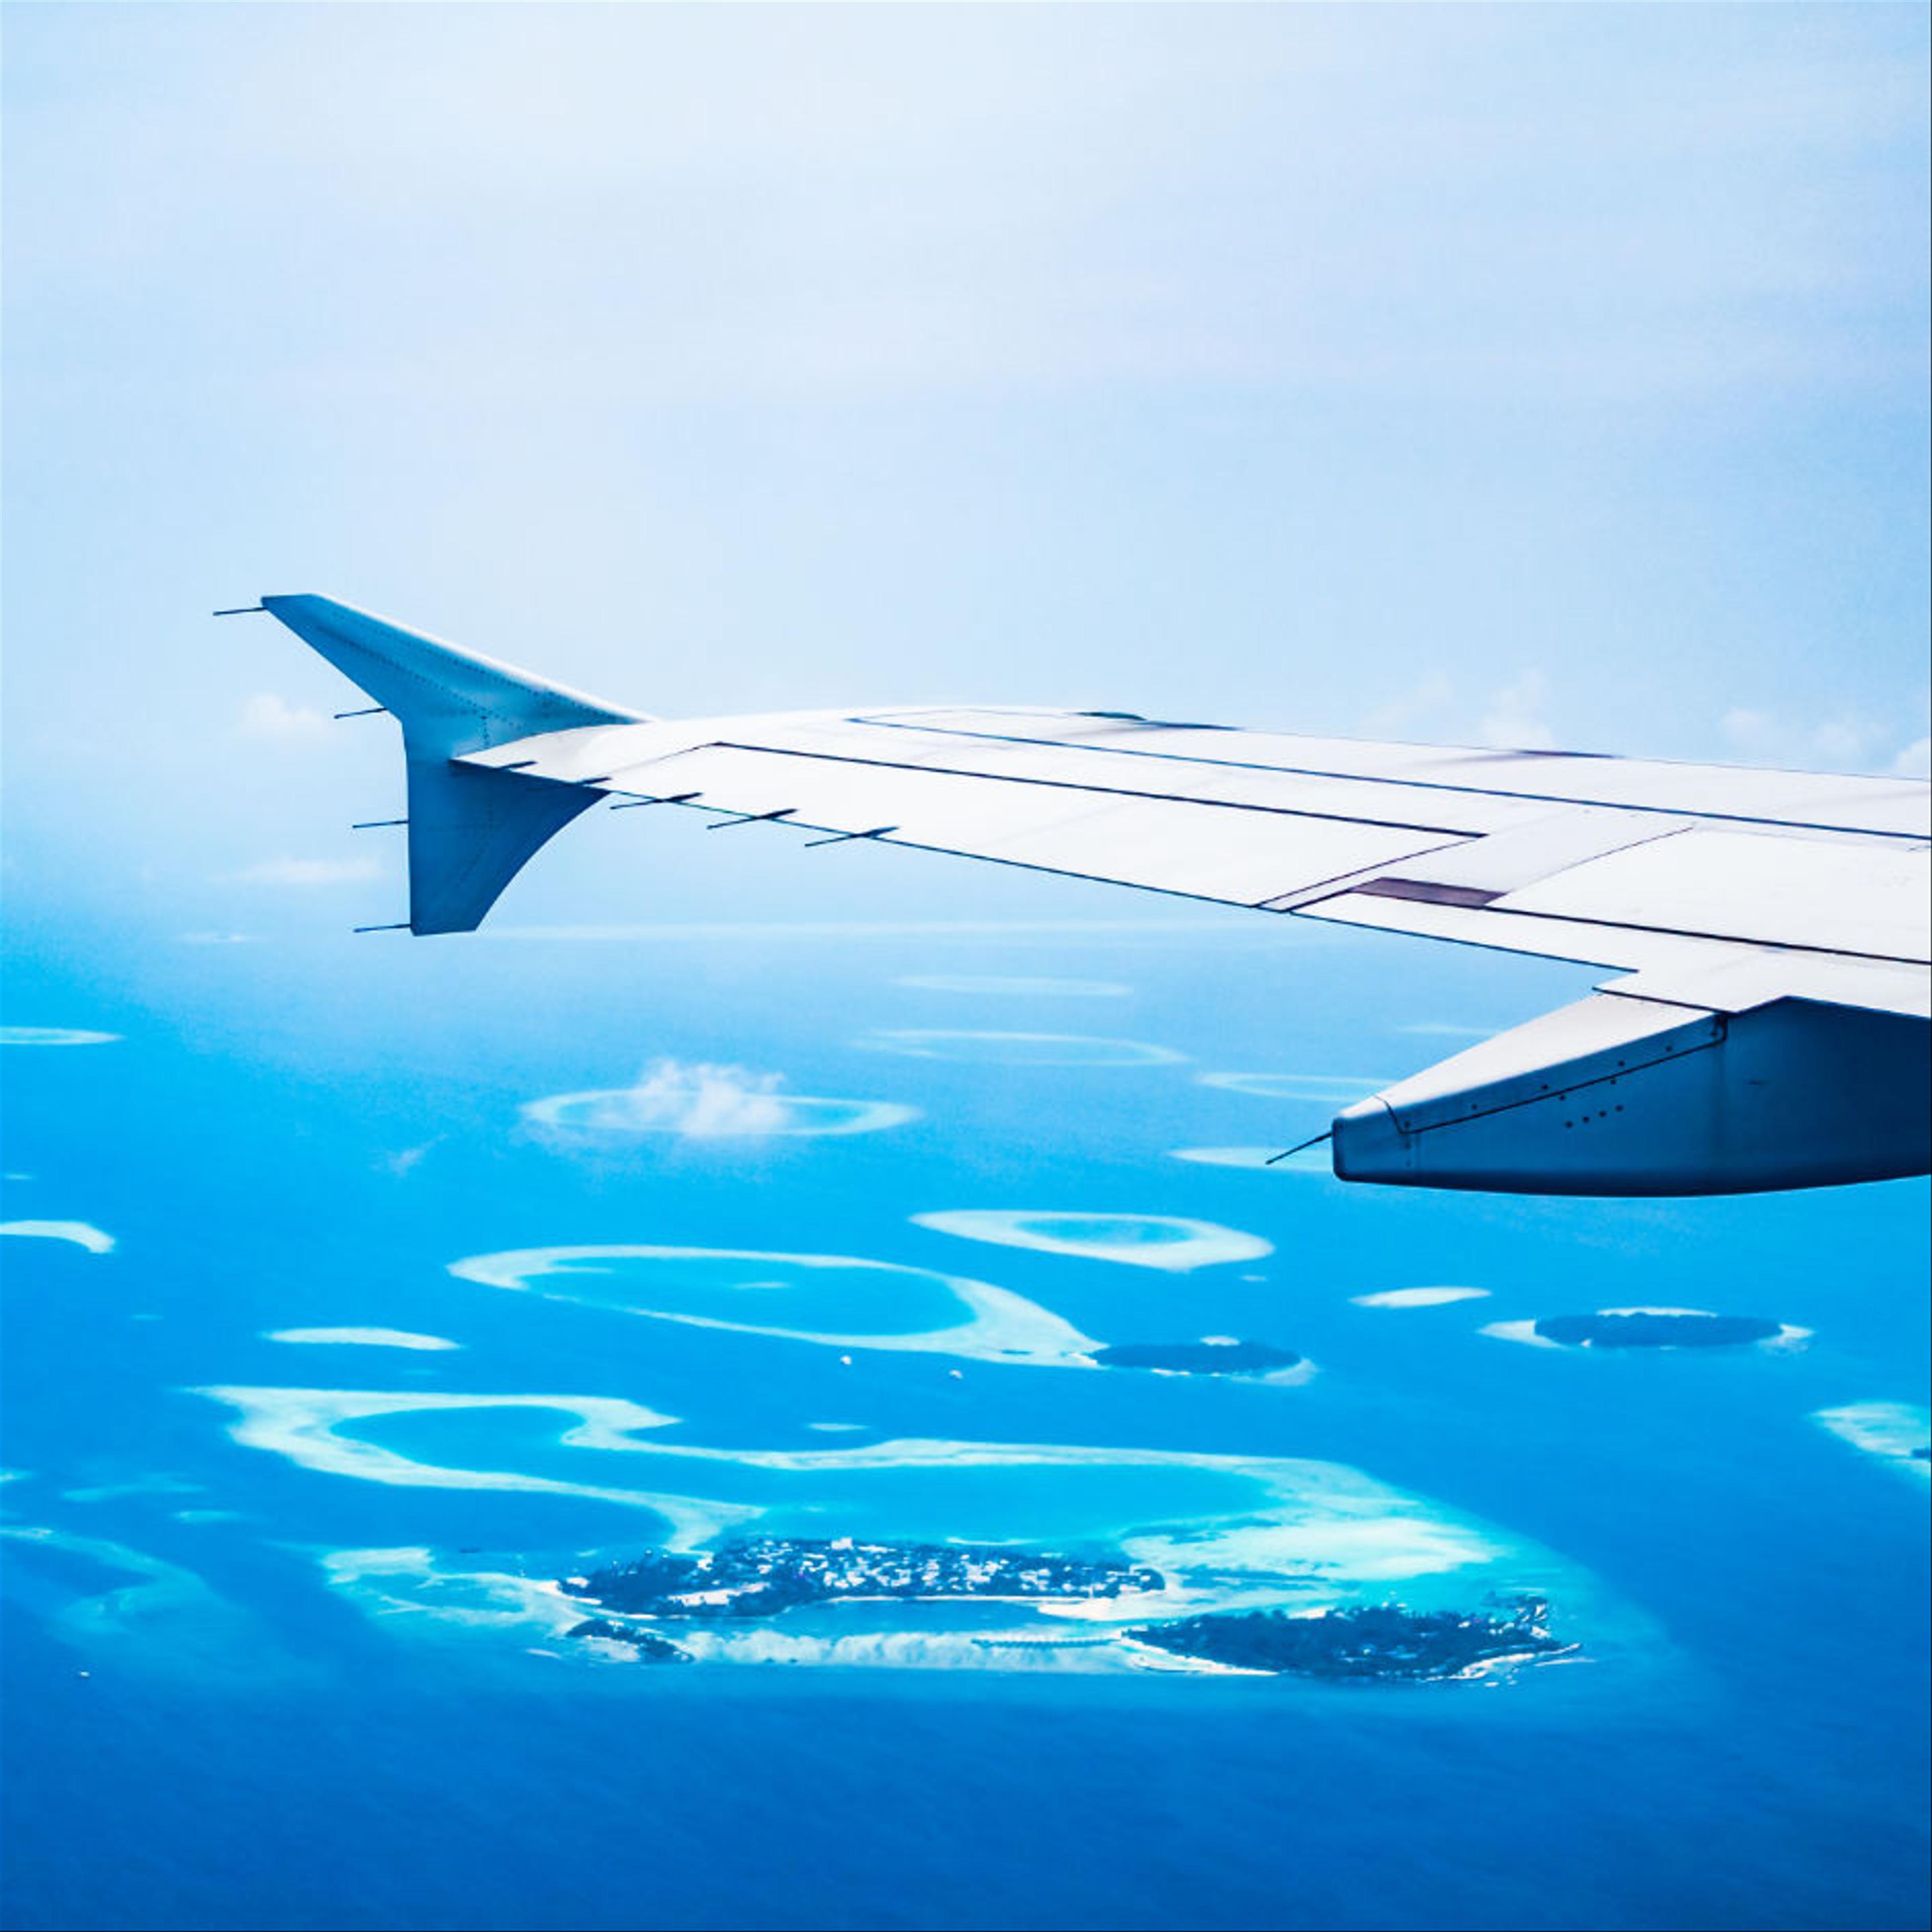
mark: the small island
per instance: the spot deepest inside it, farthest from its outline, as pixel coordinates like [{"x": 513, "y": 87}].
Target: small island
[
  {"x": 647, "y": 1643},
  {"x": 1216, "y": 1355},
  {"x": 1656, "y": 1328},
  {"x": 1382, "y": 1642},
  {"x": 761, "y": 1577}
]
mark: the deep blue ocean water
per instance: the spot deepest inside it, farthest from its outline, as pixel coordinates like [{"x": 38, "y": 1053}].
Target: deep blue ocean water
[{"x": 307, "y": 1137}]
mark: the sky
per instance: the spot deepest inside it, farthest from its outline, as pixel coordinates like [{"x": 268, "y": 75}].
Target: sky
[{"x": 1520, "y": 375}]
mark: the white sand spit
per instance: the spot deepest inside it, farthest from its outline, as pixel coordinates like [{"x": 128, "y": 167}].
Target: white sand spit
[
  {"x": 81, "y": 1233},
  {"x": 363, "y": 1338},
  {"x": 1417, "y": 1297},
  {"x": 1170, "y": 1242}
]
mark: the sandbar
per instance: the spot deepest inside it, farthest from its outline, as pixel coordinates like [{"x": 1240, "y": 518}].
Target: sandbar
[
  {"x": 1170, "y": 1242},
  {"x": 1001, "y": 1326},
  {"x": 1305, "y": 1533},
  {"x": 81, "y": 1233},
  {"x": 361, "y": 1338},
  {"x": 1017, "y": 1049},
  {"x": 1332, "y": 1087},
  {"x": 1899, "y": 1432},
  {"x": 1417, "y": 1297}
]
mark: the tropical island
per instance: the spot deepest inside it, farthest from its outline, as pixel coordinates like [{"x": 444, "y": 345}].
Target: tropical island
[
  {"x": 1656, "y": 1328},
  {"x": 1215, "y": 1356},
  {"x": 647, "y": 1643},
  {"x": 764, "y": 1576},
  {"x": 1383, "y": 1642},
  {"x": 761, "y": 1577}
]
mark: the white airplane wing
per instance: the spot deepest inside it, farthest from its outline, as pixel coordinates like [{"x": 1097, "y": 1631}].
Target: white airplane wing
[{"x": 1772, "y": 930}]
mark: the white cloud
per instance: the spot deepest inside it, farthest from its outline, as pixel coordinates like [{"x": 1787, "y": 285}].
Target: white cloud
[
  {"x": 1513, "y": 721},
  {"x": 400, "y": 1164},
  {"x": 694, "y": 1100},
  {"x": 970, "y": 192},
  {"x": 286, "y": 871},
  {"x": 1842, "y": 743},
  {"x": 267, "y": 715}
]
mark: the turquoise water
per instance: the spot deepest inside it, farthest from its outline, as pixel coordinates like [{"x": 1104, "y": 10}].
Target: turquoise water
[
  {"x": 994, "y": 1047},
  {"x": 1029, "y": 1502},
  {"x": 766, "y": 1291},
  {"x": 1743, "y": 1748},
  {"x": 1097, "y": 1230}
]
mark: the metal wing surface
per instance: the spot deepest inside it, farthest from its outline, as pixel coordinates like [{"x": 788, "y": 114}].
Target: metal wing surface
[{"x": 1773, "y": 926}]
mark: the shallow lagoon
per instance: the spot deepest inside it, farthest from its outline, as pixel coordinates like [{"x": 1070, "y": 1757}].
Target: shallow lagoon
[
  {"x": 1742, "y": 1748},
  {"x": 838, "y": 1300},
  {"x": 1166, "y": 1241},
  {"x": 828, "y": 1292}
]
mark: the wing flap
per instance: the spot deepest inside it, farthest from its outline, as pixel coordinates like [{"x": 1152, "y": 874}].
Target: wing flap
[
  {"x": 1238, "y": 855},
  {"x": 1828, "y": 894},
  {"x": 631, "y": 755},
  {"x": 1621, "y": 885},
  {"x": 1896, "y": 807},
  {"x": 1584, "y": 941}
]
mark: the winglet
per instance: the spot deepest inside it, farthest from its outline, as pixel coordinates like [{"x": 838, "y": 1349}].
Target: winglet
[{"x": 471, "y": 829}]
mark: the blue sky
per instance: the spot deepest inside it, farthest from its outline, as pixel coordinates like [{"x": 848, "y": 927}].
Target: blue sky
[{"x": 1529, "y": 374}]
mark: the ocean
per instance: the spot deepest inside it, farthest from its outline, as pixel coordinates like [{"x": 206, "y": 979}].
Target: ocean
[{"x": 281, "y": 1644}]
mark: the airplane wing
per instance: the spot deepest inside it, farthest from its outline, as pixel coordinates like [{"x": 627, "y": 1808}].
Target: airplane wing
[{"x": 1772, "y": 929}]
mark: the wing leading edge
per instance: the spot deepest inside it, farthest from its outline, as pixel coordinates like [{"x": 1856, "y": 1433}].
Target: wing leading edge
[{"x": 1775, "y": 928}]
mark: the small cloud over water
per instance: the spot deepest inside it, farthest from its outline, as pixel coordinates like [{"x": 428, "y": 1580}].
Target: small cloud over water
[{"x": 696, "y": 1100}]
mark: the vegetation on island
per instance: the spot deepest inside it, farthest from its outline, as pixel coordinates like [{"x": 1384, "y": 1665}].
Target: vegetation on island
[
  {"x": 760, "y": 1577},
  {"x": 1645, "y": 1328},
  {"x": 1384, "y": 1642},
  {"x": 647, "y": 1644}
]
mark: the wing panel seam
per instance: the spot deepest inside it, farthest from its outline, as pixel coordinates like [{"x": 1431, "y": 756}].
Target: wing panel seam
[
  {"x": 1097, "y": 791},
  {"x": 1412, "y": 784},
  {"x": 1605, "y": 923}
]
